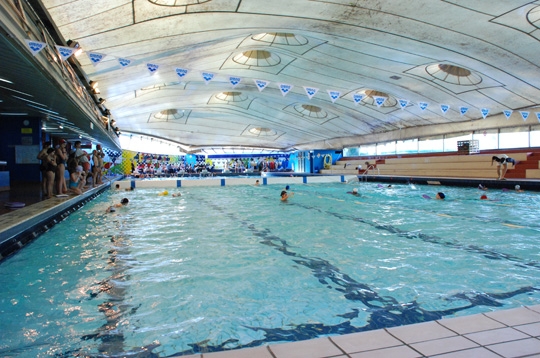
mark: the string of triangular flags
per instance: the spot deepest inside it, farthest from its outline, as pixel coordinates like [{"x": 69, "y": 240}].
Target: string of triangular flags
[{"x": 66, "y": 52}]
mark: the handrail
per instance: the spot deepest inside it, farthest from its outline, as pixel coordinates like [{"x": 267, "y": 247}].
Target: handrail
[{"x": 366, "y": 172}]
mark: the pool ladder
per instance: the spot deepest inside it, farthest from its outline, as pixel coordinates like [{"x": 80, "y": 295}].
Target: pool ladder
[{"x": 365, "y": 174}]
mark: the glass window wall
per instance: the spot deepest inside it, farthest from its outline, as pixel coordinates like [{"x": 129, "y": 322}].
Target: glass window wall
[{"x": 506, "y": 138}]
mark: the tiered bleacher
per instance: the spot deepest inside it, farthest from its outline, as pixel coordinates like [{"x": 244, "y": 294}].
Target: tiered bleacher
[{"x": 459, "y": 166}]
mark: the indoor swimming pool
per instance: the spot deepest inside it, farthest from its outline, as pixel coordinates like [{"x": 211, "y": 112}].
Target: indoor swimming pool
[{"x": 220, "y": 268}]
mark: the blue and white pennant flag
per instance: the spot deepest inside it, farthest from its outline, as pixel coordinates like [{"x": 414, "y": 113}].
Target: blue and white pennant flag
[
  {"x": 485, "y": 112},
  {"x": 64, "y": 52},
  {"x": 507, "y": 113},
  {"x": 152, "y": 67},
  {"x": 96, "y": 57},
  {"x": 124, "y": 62},
  {"x": 285, "y": 88},
  {"x": 334, "y": 95},
  {"x": 423, "y": 105},
  {"x": 261, "y": 84},
  {"x": 444, "y": 108},
  {"x": 311, "y": 91},
  {"x": 524, "y": 115},
  {"x": 379, "y": 100},
  {"x": 181, "y": 72},
  {"x": 35, "y": 46},
  {"x": 403, "y": 103},
  {"x": 358, "y": 97},
  {"x": 234, "y": 81},
  {"x": 207, "y": 76}
]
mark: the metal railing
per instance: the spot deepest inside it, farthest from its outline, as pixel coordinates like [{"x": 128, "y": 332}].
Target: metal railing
[{"x": 366, "y": 172}]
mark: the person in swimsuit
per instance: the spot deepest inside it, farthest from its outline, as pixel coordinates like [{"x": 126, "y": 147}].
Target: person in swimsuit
[
  {"x": 112, "y": 208},
  {"x": 285, "y": 195},
  {"x": 61, "y": 161},
  {"x": 97, "y": 169},
  {"x": 82, "y": 158},
  {"x": 76, "y": 180},
  {"x": 502, "y": 165},
  {"x": 440, "y": 196},
  {"x": 50, "y": 169},
  {"x": 43, "y": 167}
]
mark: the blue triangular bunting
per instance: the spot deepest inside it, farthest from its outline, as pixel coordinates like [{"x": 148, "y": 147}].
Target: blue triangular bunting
[
  {"x": 311, "y": 91},
  {"x": 524, "y": 115},
  {"x": 152, "y": 67},
  {"x": 444, "y": 108},
  {"x": 124, "y": 62},
  {"x": 358, "y": 97},
  {"x": 96, "y": 57},
  {"x": 35, "y": 46},
  {"x": 261, "y": 84},
  {"x": 285, "y": 88},
  {"x": 463, "y": 110},
  {"x": 485, "y": 112},
  {"x": 334, "y": 95},
  {"x": 379, "y": 100},
  {"x": 234, "y": 81},
  {"x": 403, "y": 103},
  {"x": 423, "y": 105},
  {"x": 65, "y": 52},
  {"x": 207, "y": 76},
  {"x": 507, "y": 113},
  {"x": 181, "y": 72}
]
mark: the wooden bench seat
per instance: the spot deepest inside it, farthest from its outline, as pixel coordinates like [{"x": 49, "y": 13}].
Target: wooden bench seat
[
  {"x": 453, "y": 159},
  {"x": 459, "y": 166}
]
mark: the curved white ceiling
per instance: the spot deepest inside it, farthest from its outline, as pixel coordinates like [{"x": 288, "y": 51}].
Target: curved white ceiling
[{"x": 473, "y": 55}]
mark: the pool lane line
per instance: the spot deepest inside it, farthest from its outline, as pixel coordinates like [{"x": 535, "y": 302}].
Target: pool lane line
[
  {"x": 433, "y": 239},
  {"x": 466, "y": 218}
]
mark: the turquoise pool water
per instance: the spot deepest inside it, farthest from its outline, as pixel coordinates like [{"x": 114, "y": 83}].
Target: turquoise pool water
[{"x": 228, "y": 267}]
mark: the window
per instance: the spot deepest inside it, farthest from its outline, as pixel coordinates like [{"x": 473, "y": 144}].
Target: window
[
  {"x": 370, "y": 149},
  {"x": 407, "y": 146},
  {"x": 487, "y": 139},
  {"x": 514, "y": 138},
  {"x": 388, "y": 148},
  {"x": 351, "y": 152},
  {"x": 431, "y": 144},
  {"x": 535, "y": 136},
  {"x": 451, "y": 140}
]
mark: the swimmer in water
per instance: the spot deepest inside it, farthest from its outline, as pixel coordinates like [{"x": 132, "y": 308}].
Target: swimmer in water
[
  {"x": 112, "y": 208},
  {"x": 285, "y": 195}
]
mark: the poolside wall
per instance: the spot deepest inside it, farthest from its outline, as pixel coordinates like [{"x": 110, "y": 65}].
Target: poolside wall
[{"x": 219, "y": 181}]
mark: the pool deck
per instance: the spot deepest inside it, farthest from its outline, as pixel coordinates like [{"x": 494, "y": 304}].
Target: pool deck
[
  {"x": 503, "y": 333},
  {"x": 508, "y": 333}
]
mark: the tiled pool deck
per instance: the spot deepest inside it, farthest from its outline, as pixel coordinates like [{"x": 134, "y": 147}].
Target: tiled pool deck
[
  {"x": 507, "y": 333},
  {"x": 504, "y": 333}
]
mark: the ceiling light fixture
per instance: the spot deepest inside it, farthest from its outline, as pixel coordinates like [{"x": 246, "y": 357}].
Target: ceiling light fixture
[
  {"x": 75, "y": 45},
  {"x": 13, "y": 114}
]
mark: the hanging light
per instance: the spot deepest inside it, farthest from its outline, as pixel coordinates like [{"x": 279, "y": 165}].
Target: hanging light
[{"x": 75, "y": 45}]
